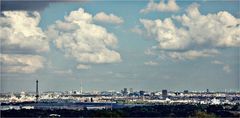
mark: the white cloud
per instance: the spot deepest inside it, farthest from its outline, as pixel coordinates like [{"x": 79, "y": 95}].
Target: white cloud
[
  {"x": 212, "y": 30},
  {"x": 17, "y": 63},
  {"x": 170, "y": 6},
  {"x": 62, "y": 72},
  {"x": 77, "y": 37},
  {"x": 194, "y": 33},
  {"x": 108, "y": 18},
  {"x": 217, "y": 30},
  {"x": 151, "y": 63},
  {"x": 190, "y": 54},
  {"x": 149, "y": 51},
  {"x": 19, "y": 30},
  {"x": 166, "y": 33},
  {"x": 82, "y": 66},
  {"x": 79, "y": 16},
  {"x": 226, "y": 68},
  {"x": 217, "y": 62},
  {"x": 20, "y": 34},
  {"x": 137, "y": 30}
]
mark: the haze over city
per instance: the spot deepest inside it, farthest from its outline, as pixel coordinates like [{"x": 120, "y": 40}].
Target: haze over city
[{"x": 110, "y": 45}]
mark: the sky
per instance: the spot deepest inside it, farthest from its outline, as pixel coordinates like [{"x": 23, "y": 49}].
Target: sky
[{"x": 110, "y": 45}]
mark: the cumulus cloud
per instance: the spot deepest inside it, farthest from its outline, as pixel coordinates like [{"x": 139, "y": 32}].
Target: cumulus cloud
[
  {"x": 194, "y": 33},
  {"x": 166, "y": 33},
  {"x": 20, "y": 35},
  {"x": 79, "y": 38},
  {"x": 19, "y": 30},
  {"x": 17, "y": 63},
  {"x": 218, "y": 30},
  {"x": 170, "y": 6},
  {"x": 225, "y": 67},
  {"x": 213, "y": 30},
  {"x": 151, "y": 63},
  {"x": 108, "y": 18},
  {"x": 82, "y": 66},
  {"x": 79, "y": 16}
]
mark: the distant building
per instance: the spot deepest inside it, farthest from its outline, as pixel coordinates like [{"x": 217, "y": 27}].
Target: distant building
[
  {"x": 185, "y": 91},
  {"x": 92, "y": 100},
  {"x": 141, "y": 93},
  {"x": 125, "y": 92},
  {"x": 207, "y": 90},
  {"x": 177, "y": 93},
  {"x": 131, "y": 90},
  {"x": 164, "y": 93}
]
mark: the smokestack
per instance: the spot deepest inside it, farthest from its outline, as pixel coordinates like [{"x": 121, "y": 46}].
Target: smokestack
[{"x": 37, "y": 94}]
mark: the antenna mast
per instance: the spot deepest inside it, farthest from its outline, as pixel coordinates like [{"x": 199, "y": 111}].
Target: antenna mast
[{"x": 81, "y": 87}]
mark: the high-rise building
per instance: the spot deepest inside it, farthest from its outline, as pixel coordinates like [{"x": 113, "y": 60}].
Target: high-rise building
[
  {"x": 207, "y": 90},
  {"x": 185, "y": 91},
  {"x": 164, "y": 93},
  {"x": 125, "y": 92},
  {"x": 141, "y": 93},
  {"x": 131, "y": 90}
]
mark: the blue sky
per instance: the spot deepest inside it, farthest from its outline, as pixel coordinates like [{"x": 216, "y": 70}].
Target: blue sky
[{"x": 212, "y": 63}]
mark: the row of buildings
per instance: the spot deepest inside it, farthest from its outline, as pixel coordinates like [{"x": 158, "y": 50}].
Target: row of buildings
[{"x": 123, "y": 96}]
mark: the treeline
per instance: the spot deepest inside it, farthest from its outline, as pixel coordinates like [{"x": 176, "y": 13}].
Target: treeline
[{"x": 143, "y": 111}]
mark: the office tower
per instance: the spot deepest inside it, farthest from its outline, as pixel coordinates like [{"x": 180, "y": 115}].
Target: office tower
[
  {"x": 125, "y": 92},
  {"x": 164, "y": 93},
  {"x": 141, "y": 93},
  {"x": 131, "y": 90},
  {"x": 207, "y": 90},
  {"x": 185, "y": 91}
]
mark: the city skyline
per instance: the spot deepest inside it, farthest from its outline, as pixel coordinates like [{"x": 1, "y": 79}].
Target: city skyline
[{"x": 111, "y": 45}]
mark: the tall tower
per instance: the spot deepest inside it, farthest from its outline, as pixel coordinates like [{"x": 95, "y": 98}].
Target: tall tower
[
  {"x": 164, "y": 93},
  {"x": 81, "y": 91},
  {"x": 37, "y": 94}
]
